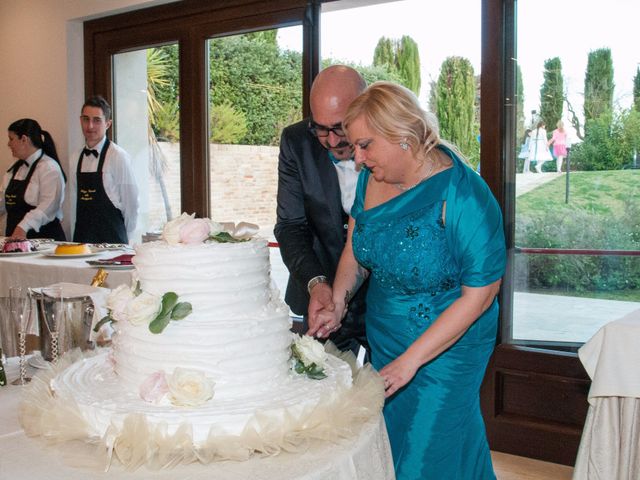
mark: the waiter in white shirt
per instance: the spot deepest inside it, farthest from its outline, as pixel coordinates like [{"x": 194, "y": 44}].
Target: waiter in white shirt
[{"x": 103, "y": 192}]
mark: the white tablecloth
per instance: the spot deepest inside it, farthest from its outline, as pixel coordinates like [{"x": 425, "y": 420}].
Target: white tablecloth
[
  {"x": 37, "y": 271},
  {"x": 367, "y": 457},
  {"x": 41, "y": 271},
  {"x": 610, "y": 444}
]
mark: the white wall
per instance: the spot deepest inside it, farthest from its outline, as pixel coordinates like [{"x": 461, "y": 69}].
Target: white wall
[{"x": 42, "y": 68}]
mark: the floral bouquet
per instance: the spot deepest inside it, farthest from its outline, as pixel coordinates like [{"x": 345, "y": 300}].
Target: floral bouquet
[{"x": 189, "y": 230}]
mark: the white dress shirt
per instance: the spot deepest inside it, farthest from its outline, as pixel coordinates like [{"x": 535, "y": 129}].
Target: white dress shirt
[
  {"x": 348, "y": 172},
  {"x": 45, "y": 191},
  {"x": 117, "y": 178}
]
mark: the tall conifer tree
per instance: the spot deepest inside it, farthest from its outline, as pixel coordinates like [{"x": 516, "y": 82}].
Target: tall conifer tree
[
  {"x": 598, "y": 85},
  {"x": 455, "y": 103},
  {"x": 552, "y": 93}
]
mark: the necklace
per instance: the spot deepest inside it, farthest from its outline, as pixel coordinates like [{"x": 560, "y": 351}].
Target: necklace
[{"x": 422, "y": 179}]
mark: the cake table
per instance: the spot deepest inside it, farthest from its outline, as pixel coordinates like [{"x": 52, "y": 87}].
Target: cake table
[{"x": 366, "y": 457}]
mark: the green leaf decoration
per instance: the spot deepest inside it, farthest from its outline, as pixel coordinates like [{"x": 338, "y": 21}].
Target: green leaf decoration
[
  {"x": 169, "y": 301},
  {"x": 316, "y": 374},
  {"x": 106, "y": 319},
  {"x": 181, "y": 310},
  {"x": 312, "y": 371},
  {"x": 225, "y": 237},
  {"x": 159, "y": 323}
]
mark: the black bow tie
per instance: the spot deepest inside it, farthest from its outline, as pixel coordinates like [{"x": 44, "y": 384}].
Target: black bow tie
[
  {"x": 86, "y": 152},
  {"x": 14, "y": 168}
]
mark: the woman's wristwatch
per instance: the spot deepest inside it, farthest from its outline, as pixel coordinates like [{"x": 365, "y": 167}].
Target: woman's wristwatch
[{"x": 316, "y": 280}]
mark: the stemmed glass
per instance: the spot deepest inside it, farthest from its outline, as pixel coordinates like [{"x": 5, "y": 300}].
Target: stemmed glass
[
  {"x": 53, "y": 312},
  {"x": 22, "y": 317}
]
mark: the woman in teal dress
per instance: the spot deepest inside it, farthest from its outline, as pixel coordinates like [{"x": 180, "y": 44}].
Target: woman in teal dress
[{"x": 427, "y": 230}]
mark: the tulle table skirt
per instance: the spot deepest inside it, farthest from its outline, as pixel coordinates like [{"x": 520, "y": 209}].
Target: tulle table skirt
[{"x": 365, "y": 455}]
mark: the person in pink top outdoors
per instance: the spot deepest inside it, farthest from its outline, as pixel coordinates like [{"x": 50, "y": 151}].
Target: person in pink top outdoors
[{"x": 559, "y": 142}]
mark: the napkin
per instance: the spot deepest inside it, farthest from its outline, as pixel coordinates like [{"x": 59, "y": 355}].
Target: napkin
[{"x": 119, "y": 260}]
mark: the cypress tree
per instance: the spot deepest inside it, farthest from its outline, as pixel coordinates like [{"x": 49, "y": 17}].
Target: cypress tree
[
  {"x": 400, "y": 57},
  {"x": 552, "y": 93},
  {"x": 598, "y": 84},
  {"x": 384, "y": 54},
  {"x": 409, "y": 64},
  {"x": 455, "y": 103}
]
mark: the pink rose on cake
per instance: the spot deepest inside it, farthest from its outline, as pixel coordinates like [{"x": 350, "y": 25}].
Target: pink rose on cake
[
  {"x": 143, "y": 309},
  {"x": 197, "y": 230},
  {"x": 189, "y": 388},
  {"x": 189, "y": 230},
  {"x": 154, "y": 388}
]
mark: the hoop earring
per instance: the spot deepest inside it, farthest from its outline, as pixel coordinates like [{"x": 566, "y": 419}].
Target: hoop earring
[{"x": 404, "y": 145}]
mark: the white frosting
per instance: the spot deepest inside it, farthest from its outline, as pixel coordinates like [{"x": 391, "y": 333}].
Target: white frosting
[
  {"x": 104, "y": 401},
  {"x": 237, "y": 335},
  {"x": 238, "y": 331}
]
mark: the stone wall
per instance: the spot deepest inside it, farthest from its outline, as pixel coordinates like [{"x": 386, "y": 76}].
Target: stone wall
[{"x": 244, "y": 183}]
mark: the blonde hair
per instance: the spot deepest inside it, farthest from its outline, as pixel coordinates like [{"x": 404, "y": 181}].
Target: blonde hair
[{"x": 393, "y": 112}]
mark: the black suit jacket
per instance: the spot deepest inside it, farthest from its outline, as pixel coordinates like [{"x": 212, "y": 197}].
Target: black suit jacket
[{"x": 311, "y": 226}]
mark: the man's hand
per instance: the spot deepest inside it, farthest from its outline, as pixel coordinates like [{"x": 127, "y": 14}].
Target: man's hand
[
  {"x": 320, "y": 300},
  {"x": 19, "y": 233}
]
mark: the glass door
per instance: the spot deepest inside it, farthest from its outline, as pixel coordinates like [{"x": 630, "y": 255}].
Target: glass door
[{"x": 147, "y": 125}]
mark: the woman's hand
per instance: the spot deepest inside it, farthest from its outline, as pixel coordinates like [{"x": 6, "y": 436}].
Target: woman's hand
[
  {"x": 326, "y": 321},
  {"x": 398, "y": 373}
]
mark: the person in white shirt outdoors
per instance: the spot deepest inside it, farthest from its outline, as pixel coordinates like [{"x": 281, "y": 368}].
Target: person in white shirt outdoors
[
  {"x": 103, "y": 194},
  {"x": 33, "y": 188}
]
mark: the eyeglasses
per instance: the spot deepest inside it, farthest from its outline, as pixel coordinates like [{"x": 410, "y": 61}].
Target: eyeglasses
[{"x": 322, "y": 131}]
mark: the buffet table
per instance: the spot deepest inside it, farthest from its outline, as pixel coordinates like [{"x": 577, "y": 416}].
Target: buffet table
[
  {"x": 37, "y": 270},
  {"x": 40, "y": 271},
  {"x": 610, "y": 445},
  {"x": 367, "y": 457}
]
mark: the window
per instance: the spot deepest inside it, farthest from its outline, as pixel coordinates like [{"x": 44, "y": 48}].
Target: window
[{"x": 577, "y": 238}]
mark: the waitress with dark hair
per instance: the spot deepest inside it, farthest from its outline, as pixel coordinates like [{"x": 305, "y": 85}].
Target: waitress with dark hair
[{"x": 33, "y": 188}]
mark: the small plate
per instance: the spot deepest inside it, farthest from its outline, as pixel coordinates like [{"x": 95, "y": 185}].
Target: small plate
[
  {"x": 24, "y": 254},
  {"x": 53, "y": 254}
]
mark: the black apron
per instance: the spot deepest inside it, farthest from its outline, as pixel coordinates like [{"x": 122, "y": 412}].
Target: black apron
[
  {"x": 97, "y": 219},
  {"x": 17, "y": 208}
]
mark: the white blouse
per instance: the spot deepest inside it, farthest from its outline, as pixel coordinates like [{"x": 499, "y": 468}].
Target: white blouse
[{"x": 45, "y": 191}]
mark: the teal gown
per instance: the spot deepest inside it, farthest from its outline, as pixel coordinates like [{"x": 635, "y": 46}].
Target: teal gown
[{"x": 417, "y": 266}]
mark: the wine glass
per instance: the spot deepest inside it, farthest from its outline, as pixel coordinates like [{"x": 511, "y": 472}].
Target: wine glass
[
  {"x": 53, "y": 312},
  {"x": 22, "y": 317}
]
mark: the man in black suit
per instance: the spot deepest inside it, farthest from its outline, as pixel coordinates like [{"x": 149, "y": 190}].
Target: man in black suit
[{"x": 316, "y": 187}]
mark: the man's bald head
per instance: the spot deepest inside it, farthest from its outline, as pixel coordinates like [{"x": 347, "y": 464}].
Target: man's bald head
[{"x": 332, "y": 91}]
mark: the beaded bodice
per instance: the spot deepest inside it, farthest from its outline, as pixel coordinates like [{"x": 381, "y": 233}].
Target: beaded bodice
[
  {"x": 407, "y": 255},
  {"x": 403, "y": 244}
]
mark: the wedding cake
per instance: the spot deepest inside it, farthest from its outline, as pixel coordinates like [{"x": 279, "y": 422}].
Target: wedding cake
[{"x": 202, "y": 355}]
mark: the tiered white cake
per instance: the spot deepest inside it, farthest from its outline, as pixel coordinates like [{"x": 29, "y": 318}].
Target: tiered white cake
[{"x": 222, "y": 369}]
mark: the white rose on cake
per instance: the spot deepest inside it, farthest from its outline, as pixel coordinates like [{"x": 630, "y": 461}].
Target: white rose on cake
[
  {"x": 171, "y": 231},
  {"x": 118, "y": 300},
  {"x": 189, "y": 388},
  {"x": 311, "y": 351},
  {"x": 143, "y": 309}
]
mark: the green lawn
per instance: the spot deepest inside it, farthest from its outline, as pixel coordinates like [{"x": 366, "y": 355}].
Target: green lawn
[
  {"x": 599, "y": 192},
  {"x": 603, "y": 213}
]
